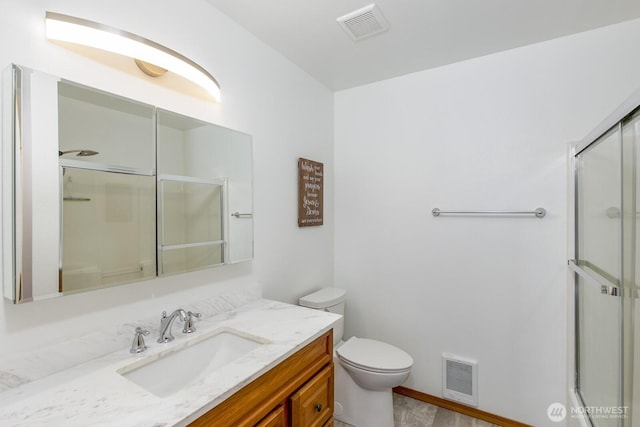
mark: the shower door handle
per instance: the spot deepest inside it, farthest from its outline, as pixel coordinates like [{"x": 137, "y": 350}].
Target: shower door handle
[
  {"x": 606, "y": 286},
  {"x": 610, "y": 290}
]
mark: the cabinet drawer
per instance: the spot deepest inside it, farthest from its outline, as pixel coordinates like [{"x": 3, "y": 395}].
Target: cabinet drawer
[
  {"x": 312, "y": 405},
  {"x": 277, "y": 418}
]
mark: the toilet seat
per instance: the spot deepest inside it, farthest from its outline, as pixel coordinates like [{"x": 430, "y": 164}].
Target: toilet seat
[{"x": 374, "y": 356}]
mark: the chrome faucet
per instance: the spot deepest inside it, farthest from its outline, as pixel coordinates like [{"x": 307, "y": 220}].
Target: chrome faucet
[{"x": 167, "y": 321}]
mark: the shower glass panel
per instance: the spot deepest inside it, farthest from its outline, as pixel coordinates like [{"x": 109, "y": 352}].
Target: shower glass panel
[
  {"x": 598, "y": 252},
  {"x": 606, "y": 284},
  {"x": 598, "y": 198},
  {"x": 599, "y": 349},
  {"x": 108, "y": 229}
]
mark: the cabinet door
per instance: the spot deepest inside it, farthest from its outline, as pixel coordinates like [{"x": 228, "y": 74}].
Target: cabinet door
[
  {"x": 277, "y": 418},
  {"x": 312, "y": 405}
]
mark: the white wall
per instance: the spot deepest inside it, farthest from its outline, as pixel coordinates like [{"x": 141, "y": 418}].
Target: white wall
[
  {"x": 487, "y": 134},
  {"x": 288, "y": 113}
]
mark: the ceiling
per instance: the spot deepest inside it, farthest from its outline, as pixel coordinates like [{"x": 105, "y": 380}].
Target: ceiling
[{"x": 423, "y": 33}]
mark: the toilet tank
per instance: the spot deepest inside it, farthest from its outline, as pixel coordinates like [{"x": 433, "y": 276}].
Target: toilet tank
[{"x": 331, "y": 300}]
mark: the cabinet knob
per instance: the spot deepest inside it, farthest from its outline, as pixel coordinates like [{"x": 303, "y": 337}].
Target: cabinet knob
[{"x": 318, "y": 407}]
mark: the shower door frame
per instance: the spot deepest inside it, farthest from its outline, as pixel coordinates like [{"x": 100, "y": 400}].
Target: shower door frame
[{"x": 625, "y": 289}]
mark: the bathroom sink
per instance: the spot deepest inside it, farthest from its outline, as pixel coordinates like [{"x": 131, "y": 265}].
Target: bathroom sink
[{"x": 169, "y": 371}]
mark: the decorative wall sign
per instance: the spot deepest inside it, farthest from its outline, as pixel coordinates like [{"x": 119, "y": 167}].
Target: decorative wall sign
[{"x": 310, "y": 189}]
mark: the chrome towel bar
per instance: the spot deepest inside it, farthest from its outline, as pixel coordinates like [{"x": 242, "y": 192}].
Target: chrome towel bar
[{"x": 538, "y": 212}]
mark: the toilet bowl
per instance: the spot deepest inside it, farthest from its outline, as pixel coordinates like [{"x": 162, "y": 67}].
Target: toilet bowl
[
  {"x": 374, "y": 365},
  {"x": 366, "y": 370}
]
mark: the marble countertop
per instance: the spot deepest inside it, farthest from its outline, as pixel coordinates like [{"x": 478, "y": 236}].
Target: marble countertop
[{"x": 93, "y": 393}]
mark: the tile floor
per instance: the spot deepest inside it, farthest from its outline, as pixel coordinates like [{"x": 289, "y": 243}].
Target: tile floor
[{"x": 408, "y": 412}]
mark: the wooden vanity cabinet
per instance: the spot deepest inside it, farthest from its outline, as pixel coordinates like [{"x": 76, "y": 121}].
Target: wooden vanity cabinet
[
  {"x": 296, "y": 393},
  {"x": 312, "y": 405},
  {"x": 277, "y": 418}
]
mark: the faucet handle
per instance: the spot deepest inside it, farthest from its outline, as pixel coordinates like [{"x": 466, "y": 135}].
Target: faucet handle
[
  {"x": 189, "y": 323},
  {"x": 138, "y": 345}
]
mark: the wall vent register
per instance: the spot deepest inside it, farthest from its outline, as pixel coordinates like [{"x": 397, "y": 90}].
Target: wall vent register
[{"x": 460, "y": 379}]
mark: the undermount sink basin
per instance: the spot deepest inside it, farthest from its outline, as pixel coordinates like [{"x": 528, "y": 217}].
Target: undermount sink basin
[{"x": 169, "y": 371}]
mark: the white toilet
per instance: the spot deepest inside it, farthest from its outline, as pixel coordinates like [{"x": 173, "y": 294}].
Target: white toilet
[{"x": 365, "y": 370}]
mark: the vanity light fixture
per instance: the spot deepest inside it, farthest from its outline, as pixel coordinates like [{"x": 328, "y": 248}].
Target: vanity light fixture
[{"x": 148, "y": 54}]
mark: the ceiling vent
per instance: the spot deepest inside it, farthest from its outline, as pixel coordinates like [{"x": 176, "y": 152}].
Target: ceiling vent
[{"x": 363, "y": 22}]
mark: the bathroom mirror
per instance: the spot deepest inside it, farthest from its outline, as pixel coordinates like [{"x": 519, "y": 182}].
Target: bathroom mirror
[
  {"x": 99, "y": 190},
  {"x": 106, "y": 157},
  {"x": 204, "y": 170}
]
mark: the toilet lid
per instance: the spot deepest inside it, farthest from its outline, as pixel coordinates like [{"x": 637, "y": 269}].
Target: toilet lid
[{"x": 374, "y": 355}]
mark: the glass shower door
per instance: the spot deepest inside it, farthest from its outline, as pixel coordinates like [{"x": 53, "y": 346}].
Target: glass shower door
[
  {"x": 607, "y": 240},
  {"x": 598, "y": 258}
]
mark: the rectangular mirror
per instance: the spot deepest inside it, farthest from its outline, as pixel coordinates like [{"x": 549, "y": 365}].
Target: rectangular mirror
[
  {"x": 203, "y": 156},
  {"x": 106, "y": 153},
  {"x": 100, "y": 190}
]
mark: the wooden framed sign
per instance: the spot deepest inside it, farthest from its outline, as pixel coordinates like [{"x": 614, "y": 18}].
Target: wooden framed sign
[{"x": 310, "y": 188}]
